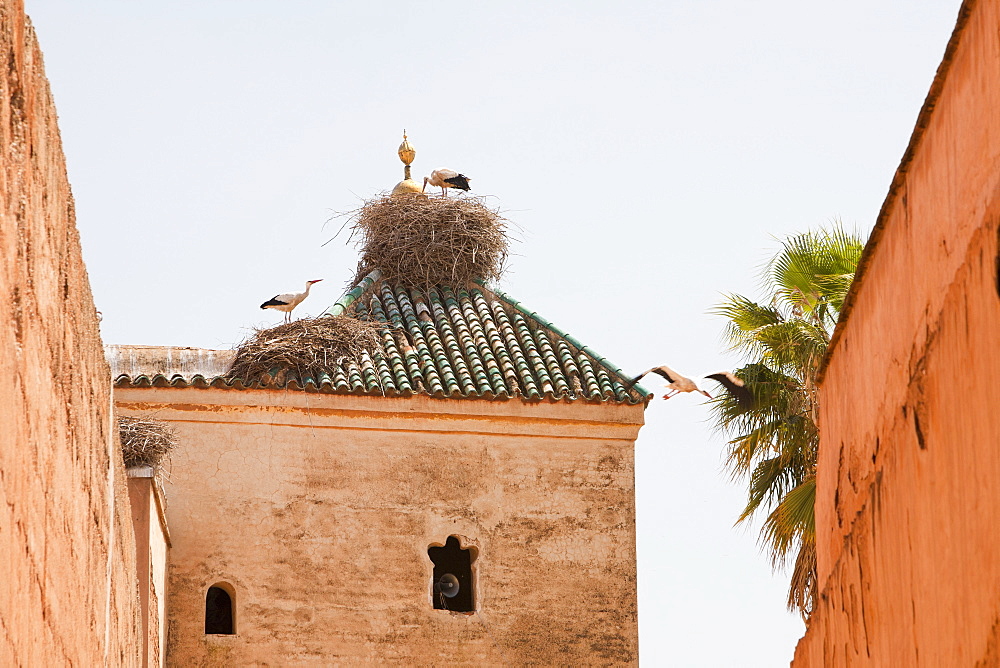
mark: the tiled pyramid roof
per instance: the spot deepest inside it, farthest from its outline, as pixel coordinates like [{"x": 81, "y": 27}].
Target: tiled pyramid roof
[{"x": 469, "y": 342}]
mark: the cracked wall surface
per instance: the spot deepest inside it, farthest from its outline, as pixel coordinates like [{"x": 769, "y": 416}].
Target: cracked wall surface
[
  {"x": 908, "y": 505},
  {"x": 318, "y": 510},
  {"x": 68, "y": 594}
]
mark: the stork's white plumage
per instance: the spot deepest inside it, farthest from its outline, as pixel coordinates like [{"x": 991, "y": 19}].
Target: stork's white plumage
[
  {"x": 678, "y": 383},
  {"x": 446, "y": 178},
  {"x": 288, "y": 301}
]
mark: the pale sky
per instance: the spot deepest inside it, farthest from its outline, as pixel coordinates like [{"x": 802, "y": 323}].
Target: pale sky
[{"x": 649, "y": 152}]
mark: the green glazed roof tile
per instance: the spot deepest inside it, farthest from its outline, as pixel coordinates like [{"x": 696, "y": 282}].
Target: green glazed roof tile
[
  {"x": 370, "y": 376},
  {"x": 463, "y": 377},
  {"x": 566, "y": 357},
  {"x": 470, "y": 342},
  {"x": 552, "y": 363},
  {"x": 467, "y": 346}
]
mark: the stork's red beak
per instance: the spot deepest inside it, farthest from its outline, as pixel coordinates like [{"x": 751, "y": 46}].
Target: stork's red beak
[{"x": 316, "y": 280}]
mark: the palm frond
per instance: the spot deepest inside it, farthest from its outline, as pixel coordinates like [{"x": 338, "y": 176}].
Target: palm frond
[
  {"x": 776, "y": 396},
  {"x": 812, "y": 271},
  {"x": 773, "y": 444},
  {"x": 804, "y": 582},
  {"x": 793, "y": 518},
  {"x": 745, "y": 313},
  {"x": 743, "y": 318},
  {"x": 794, "y": 346},
  {"x": 835, "y": 287},
  {"x": 771, "y": 480},
  {"x": 793, "y": 438}
]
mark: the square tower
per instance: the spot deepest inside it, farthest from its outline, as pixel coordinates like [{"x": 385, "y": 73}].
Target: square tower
[{"x": 464, "y": 497}]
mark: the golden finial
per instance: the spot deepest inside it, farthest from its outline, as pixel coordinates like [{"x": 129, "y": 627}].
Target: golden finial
[{"x": 406, "y": 153}]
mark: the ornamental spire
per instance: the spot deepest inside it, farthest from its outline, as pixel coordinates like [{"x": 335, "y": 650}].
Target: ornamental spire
[{"x": 406, "y": 153}]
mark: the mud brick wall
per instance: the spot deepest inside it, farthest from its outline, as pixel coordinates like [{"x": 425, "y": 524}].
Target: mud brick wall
[
  {"x": 908, "y": 502},
  {"x": 68, "y": 595}
]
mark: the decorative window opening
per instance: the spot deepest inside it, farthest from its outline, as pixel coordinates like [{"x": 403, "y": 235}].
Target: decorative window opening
[
  {"x": 219, "y": 611},
  {"x": 452, "y": 583}
]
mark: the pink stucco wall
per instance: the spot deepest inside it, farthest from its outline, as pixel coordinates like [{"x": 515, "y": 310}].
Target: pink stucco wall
[
  {"x": 908, "y": 504},
  {"x": 68, "y": 592}
]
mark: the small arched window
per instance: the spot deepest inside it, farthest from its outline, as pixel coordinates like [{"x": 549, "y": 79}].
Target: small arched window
[
  {"x": 452, "y": 586},
  {"x": 219, "y": 610}
]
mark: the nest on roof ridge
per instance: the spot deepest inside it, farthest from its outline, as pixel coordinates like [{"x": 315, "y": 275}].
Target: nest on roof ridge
[
  {"x": 309, "y": 346},
  {"x": 145, "y": 441},
  {"x": 421, "y": 241}
]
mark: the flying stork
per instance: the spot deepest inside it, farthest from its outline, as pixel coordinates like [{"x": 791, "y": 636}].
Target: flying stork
[
  {"x": 678, "y": 383},
  {"x": 289, "y": 300},
  {"x": 446, "y": 178}
]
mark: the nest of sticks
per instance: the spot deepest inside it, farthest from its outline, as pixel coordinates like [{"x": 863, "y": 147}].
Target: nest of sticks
[
  {"x": 145, "y": 441},
  {"x": 308, "y": 346},
  {"x": 423, "y": 241}
]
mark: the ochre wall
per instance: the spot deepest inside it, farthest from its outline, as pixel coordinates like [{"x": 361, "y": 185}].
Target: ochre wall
[
  {"x": 319, "y": 509},
  {"x": 908, "y": 505},
  {"x": 68, "y": 592},
  {"x": 152, "y": 545},
  {"x": 159, "y": 548}
]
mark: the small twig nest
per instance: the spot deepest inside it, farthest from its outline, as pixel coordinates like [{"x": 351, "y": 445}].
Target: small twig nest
[
  {"x": 308, "y": 346},
  {"x": 145, "y": 441},
  {"x": 422, "y": 241}
]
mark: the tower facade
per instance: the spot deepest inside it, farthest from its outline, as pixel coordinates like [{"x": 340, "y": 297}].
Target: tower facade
[{"x": 465, "y": 497}]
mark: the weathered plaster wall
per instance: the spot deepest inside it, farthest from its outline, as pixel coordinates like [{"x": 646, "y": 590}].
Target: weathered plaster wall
[
  {"x": 908, "y": 505},
  {"x": 152, "y": 541},
  {"x": 68, "y": 592},
  {"x": 159, "y": 545},
  {"x": 319, "y": 509}
]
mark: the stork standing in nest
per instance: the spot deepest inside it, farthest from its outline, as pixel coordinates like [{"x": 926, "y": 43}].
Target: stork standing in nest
[
  {"x": 288, "y": 301},
  {"x": 446, "y": 178},
  {"x": 677, "y": 383}
]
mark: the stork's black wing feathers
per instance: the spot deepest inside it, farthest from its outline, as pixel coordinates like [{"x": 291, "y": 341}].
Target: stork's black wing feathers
[
  {"x": 461, "y": 182},
  {"x": 663, "y": 372},
  {"x": 659, "y": 370},
  {"x": 273, "y": 301},
  {"x": 735, "y": 387}
]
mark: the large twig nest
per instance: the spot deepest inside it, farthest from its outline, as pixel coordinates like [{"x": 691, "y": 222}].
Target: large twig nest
[
  {"x": 425, "y": 241},
  {"x": 145, "y": 441},
  {"x": 308, "y": 346}
]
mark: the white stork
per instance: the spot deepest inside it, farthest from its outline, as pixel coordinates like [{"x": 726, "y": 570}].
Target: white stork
[
  {"x": 678, "y": 383},
  {"x": 446, "y": 178},
  {"x": 289, "y": 300}
]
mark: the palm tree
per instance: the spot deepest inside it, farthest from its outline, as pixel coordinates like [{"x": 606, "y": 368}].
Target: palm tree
[{"x": 773, "y": 445}]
